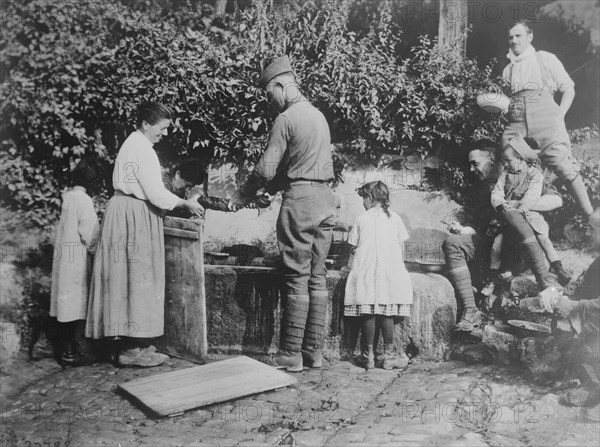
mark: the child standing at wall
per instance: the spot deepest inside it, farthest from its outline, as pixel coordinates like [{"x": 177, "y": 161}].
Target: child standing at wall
[
  {"x": 378, "y": 287},
  {"x": 185, "y": 181},
  {"x": 76, "y": 237},
  {"x": 520, "y": 186}
]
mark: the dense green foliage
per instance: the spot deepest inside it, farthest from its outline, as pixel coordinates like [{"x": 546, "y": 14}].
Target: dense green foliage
[
  {"x": 73, "y": 75},
  {"x": 73, "y": 79}
]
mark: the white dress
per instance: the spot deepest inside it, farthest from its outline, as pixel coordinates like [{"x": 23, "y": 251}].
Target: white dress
[
  {"x": 76, "y": 237},
  {"x": 378, "y": 282}
]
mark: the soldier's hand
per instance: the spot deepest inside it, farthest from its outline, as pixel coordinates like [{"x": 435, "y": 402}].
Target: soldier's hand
[
  {"x": 237, "y": 201},
  {"x": 504, "y": 207},
  {"x": 264, "y": 200},
  {"x": 564, "y": 306}
]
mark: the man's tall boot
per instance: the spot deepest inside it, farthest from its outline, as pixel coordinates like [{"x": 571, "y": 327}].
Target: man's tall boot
[
  {"x": 293, "y": 323},
  {"x": 579, "y": 193},
  {"x": 314, "y": 335},
  {"x": 534, "y": 259},
  {"x": 460, "y": 277}
]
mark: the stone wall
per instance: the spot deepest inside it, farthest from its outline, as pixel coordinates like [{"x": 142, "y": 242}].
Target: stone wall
[
  {"x": 12, "y": 287},
  {"x": 422, "y": 212},
  {"x": 244, "y": 311}
]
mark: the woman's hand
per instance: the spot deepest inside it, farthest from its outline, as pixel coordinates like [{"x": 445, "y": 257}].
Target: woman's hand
[{"x": 193, "y": 206}]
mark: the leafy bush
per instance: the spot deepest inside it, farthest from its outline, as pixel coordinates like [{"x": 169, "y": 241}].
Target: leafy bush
[
  {"x": 378, "y": 103},
  {"x": 74, "y": 76}
]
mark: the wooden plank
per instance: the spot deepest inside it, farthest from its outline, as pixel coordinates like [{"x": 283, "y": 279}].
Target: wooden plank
[
  {"x": 177, "y": 391},
  {"x": 182, "y": 224},
  {"x": 185, "y": 307},
  {"x": 186, "y": 234}
]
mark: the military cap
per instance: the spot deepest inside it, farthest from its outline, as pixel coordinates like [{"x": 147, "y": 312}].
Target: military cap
[
  {"x": 521, "y": 147},
  {"x": 275, "y": 68}
]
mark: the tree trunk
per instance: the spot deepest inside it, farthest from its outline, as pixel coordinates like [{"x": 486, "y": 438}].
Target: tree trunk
[
  {"x": 453, "y": 24},
  {"x": 220, "y": 7}
]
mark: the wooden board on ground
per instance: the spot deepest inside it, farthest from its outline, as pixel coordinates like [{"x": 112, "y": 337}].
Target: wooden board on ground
[{"x": 177, "y": 391}]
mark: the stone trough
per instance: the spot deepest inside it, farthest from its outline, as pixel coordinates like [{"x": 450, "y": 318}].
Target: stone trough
[{"x": 237, "y": 309}]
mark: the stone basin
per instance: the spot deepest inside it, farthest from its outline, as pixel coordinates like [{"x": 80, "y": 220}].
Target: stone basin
[
  {"x": 243, "y": 306},
  {"x": 237, "y": 309}
]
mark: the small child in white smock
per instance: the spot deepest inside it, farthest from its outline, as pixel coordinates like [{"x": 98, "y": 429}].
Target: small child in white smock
[
  {"x": 76, "y": 238},
  {"x": 378, "y": 287}
]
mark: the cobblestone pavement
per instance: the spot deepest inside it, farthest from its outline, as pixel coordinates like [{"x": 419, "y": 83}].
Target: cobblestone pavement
[{"x": 449, "y": 404}]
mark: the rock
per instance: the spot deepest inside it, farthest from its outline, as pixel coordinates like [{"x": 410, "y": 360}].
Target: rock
[
  {"x": 575, "y": 397},
  {"x": 501, "y": 343},
  {"x": 500, "y": 390},
  {"x": 546, "y": 407},
  {"x": 469, "y": 353},
  {"x": 486, "y": 370},
  {"x": 433, "y": 316},
  {"x": 533, "y": 304},
  {"x": 574, "y": 236},
  {"x": 522, "y": 286},
  {"x": 504, "y": 415},
  {"x": 540, "y": 355},
  {"x": 11, "y": 285},
  {"x": 10, "y": 343}
]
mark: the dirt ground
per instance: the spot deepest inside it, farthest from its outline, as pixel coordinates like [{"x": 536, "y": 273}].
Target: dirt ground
[{"x": 449, "y": 403}]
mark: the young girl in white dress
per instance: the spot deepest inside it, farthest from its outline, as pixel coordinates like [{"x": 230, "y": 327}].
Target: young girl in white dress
[{"x": 378, "y": 287}]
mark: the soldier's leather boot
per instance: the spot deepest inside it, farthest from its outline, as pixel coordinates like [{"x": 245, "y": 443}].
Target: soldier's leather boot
[
  {"x": 293, "y": 323},
  {"x": 314, "y": 334}
]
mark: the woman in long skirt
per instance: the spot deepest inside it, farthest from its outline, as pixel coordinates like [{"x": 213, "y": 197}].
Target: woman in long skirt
[{"x": 128, "y": 284}]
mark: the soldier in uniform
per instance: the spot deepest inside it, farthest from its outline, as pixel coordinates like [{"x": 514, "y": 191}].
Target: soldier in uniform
[
  {"x": 298, "y": 156},
  {"x": 468, "y": 248}
]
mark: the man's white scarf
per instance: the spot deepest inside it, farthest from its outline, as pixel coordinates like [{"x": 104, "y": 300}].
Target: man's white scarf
[
  {"x": 530, "y": 51},
  {"x": 525, "y": 72}
]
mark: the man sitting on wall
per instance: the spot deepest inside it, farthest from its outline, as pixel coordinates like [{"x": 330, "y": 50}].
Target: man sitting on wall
[{"x": 469, "y": 246}]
